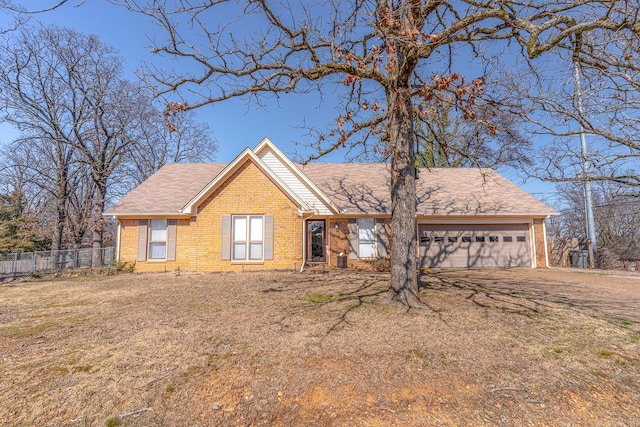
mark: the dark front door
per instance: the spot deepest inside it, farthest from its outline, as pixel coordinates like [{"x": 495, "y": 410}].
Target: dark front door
[{"x": 315, "y": 240}]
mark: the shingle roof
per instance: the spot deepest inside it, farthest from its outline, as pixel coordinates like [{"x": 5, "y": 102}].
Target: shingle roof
[
  {"x": 354, "y": 188},
  {"x": 364, "y": 188},
  {"x": 168, "y": 190}
]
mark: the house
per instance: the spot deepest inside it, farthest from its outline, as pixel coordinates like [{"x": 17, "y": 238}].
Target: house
[{"x": 262, "y": 211}]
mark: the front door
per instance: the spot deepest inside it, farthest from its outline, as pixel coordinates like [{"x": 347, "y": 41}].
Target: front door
[{"x": 315, "y": 240}]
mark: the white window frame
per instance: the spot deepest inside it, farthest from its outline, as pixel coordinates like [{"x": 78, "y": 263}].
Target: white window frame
[
  {"x": 367, "y": 243},
  {"x": 158, "y": 242},
  {"x": 249, "y": 238}
]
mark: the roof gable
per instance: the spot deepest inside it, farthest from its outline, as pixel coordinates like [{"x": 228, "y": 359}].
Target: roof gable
[
  {"x": 246, "y": 155},
  {"x": 318, "y": 202}
]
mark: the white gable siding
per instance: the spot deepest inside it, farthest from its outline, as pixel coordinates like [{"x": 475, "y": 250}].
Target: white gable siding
[{"x": 294, "y": 183}]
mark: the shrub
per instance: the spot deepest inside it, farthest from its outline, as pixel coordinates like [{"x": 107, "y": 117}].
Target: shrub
[{"x": 123, "y": 266}]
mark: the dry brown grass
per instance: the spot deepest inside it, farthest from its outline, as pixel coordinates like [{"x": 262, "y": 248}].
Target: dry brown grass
[{"x": 515, "y": 347}]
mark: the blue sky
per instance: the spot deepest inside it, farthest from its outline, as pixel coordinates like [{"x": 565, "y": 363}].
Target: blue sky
[{"x": 234, "y": 123}]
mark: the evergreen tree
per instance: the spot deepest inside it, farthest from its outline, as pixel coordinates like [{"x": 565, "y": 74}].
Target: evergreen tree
[{"x": 18, "y": 229}]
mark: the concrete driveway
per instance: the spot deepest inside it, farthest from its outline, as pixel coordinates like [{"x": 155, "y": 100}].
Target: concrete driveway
[{"x": 610, "y": 293}]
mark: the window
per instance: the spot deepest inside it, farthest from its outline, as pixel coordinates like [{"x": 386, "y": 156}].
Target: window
[
  {"x": 507, "y": 239},
  {"x": 466, "y": 239},
  {"x": 480, "y": 239},
  {"x": 494, "y": 239},
  {"x": 424, "y": 240},
  {"x": 248, "y": 237},
  {"x": 366, "y": 239},
  {"x": 521, "y": 239},
  {"x": 438, "y": 239},
  {"x": 452, "y": 239},
  {"x": 158, "y": 239}
]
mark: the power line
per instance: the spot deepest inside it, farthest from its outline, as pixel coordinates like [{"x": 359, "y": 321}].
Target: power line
[{"x": 606, "y": 205}]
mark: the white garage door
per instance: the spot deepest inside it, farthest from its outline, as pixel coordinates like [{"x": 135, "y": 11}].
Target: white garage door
[{"x": 469, "y": 246}]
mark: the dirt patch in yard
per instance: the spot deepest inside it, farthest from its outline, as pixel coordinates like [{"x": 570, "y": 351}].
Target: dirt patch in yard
[{"x": 516, "y": 347}]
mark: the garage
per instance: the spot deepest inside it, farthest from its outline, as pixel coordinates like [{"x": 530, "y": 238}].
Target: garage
[{"x": 474, "y": 245}]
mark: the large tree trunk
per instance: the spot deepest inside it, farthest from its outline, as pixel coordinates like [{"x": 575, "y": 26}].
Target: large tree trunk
[
  {"x": 60, "y": 221},
  {"x": 58, "y": 229},
  {"x": 58, "y": 232},
  {"x": 404, "y": 283},
  {"x": 401, "y": 63},
  {"x": 62, "y": 203}
]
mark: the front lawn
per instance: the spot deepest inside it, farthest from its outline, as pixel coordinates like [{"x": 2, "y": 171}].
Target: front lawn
[{"x": 287, "y": 349}]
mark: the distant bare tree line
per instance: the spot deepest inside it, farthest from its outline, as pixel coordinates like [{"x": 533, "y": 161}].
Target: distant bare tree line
[{"x": 86, "y": 134}]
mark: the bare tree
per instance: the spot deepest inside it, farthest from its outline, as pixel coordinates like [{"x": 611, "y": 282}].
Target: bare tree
[
  {"x": 22, "y": 14},
  {"x": 106, "y": 140},
  {"x": 604, "y": 104},
  {"x": 47, "y": 168},
  {"x": 62, "y": 196},
  {"x": 617, "y": 218},
  {"x": 391, "y": 57},
  {"x": 80, "y": 209},
  {"x": 34, "y": 99},
  {"x": 41, "y": 8},
  {"x": 63, "y": 90},
  {"x": 157, "y": 145},
  {"x": 80, "y": 122},
  {"x": 492, "y": 141}
]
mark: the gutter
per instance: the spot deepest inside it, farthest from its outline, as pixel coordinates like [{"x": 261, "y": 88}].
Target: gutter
[{"x": 146, "y": 215}]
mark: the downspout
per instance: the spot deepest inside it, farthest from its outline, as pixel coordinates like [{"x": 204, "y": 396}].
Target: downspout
[
  {"x": 118, "y": 241},
  {"x": 546, "y": 245},
  {"x": 532, "y": 244},
  {"x": 304, "y": 241},
  {"x": 327, "y": 241}
]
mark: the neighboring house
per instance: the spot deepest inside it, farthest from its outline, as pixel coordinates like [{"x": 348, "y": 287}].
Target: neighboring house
[{"x": 262, "y": 211}]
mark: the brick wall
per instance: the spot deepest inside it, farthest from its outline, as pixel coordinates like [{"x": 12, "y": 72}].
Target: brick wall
[
  {"x": 248, "y": 191},
  {"x": 339, "y": 242},
  {"x": 199, "y": 239},
  {"x": 128, "y": 240},
  {"x": 541, "y": 249},
  {"x": 129, "y": 247}
]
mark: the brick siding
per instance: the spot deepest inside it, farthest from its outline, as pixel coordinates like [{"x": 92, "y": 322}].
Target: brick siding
[
  {"x": 199, "y": 239},
  {"x": 541, "y": 250},
  {"x": 249, "y": 191},
  {"x": 339, "y": 242}
]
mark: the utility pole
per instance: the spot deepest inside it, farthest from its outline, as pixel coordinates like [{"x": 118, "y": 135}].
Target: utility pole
[{"x": 591, "y": 225}]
